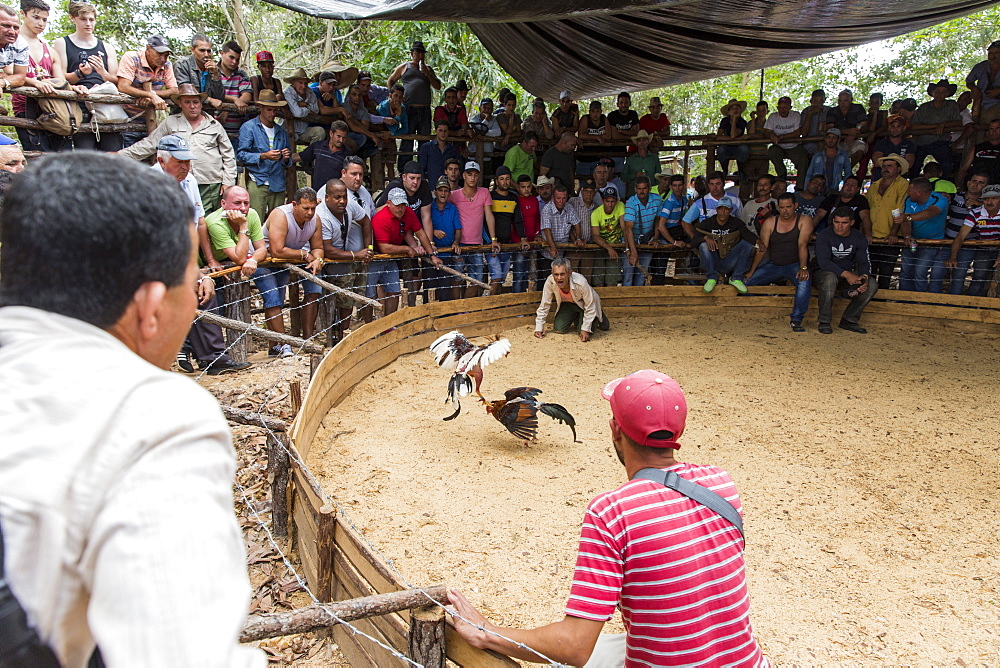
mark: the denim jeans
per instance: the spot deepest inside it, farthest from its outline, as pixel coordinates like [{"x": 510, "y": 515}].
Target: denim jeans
[
  {"x": 981, "y": 260},
  {"x": 271, "y": 282},
  {"x": 633, "y": 275},
  {"x": 767, "y": 273},
  {"x": 499, "y": 265},
  {"x": 519, "y": 265},
  {"x": 827, "y": 283},
  {"x": 917, "y": 265},
  {"x": 726, "y": 152},
  {"x": 883, "y": 259},
  {"x": 735, "y": 263}
]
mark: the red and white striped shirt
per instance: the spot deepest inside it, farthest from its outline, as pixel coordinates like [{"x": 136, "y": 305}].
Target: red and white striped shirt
[
  {"x": 674, "y": 567},
  {"x": 984, "y": 226}
]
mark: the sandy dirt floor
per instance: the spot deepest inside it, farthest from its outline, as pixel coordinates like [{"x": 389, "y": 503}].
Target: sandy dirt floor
[{"x": 868, "y": 468}]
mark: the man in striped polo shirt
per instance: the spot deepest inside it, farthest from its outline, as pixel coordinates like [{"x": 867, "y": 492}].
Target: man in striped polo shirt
[
  {"x": 961, "y": 204},
  {"x": 982, "y": 224},
  {"x": 674, "y": 567}
]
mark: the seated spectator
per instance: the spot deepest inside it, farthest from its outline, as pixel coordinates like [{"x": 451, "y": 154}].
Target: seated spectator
[
  {"x": 655, "y": 123},
  {"x": 852, "y": 121},
  {"x": 538, "y": 123},
  {"x": 484, "y": 124},
  {"x": 842, "y": 259},
  {"x": 200, "y": 71},
  {"x": 941, "y": 115},
  {"x": 810, "y": 199},
  {"x": 215, "y": 166},
  {"x": 149, "y": 77},
  {"x": 265, "y": 150},
  {"x": 762, "y": 206},
  {"x": 782, "y": 125},
  {"x": 885, "y": 202},
  {"x": 11, "y": 156},
  {"x": 813, "y": 123},
  {"x": 906, "y": 108},
  {"x": 446, "y": 238},
  {"x": 509, "y": 229},
  {"x": 833, "y": 163},
  {"x": 607, "y": 223},
  {"x": 624, "y": 120},
  {"x": 325, "y": 158},
  {"x": 560, "y": 223},
  {"x": 724, "y": 245},
  {"x": 302, "y": 102},
  {"x": 462, "y": 89},
  {"x": 923, "y": 217},
  {"x": 559, "y": 162},
  {"x": 393, "y": 107},
  {"x": 961, "y": 204},
  {"x": 784, "y": 240},
  {"x": 566, "y": 117},
  {"x": 433, "y": 154},
  {"x": 396, "y": 229},
  {"x": 981, "y": 224},
  {"x": 585, "y": 202},
  {"x": 236, "y": 85},
  {"x": 454, "y": 115},
  {"x": 644, "y": 162},
  {"x": 594, "y": 127},
  {"x": 475, "y": 210},
  {"x": 756, "y": 165},
  {"x": 265, "y": 80},
  {"x": 894, "y": 143},
  {"x": 578, "y": 307},
  {"x": 780, "y": 186},
  {"x": 613, "y": 178},
  {"x": 528, "y": 204},
  {"x": 851, "y": 197},
  {"x": 669, "y": 222},
  {"x": 732, "y": 127},
  {"x": 360, "y": 123},
  {"x": 639, "y": 227},
  {"x": 962, "y": 140},
  {"x": 704, "y": 207},
  {"x": 453, "y": 170},
  {"x": 372, "y": 95},
  {"x": 419, "y": 198},
  {"x": 510, "y": 124},
  {"x": 347, "y": 235},
  {"x": 984, "y": 82},
  {"x": 543, "y": 186},
  {"x": 984, "y": 156},
  {"x": 520, "y": 159},
  {"x": 328, "y": 95},
  {"x": 293, "y": 233}
]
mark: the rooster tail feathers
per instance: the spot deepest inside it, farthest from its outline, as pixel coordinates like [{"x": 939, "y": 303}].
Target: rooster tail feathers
[
  {"x": 459, "y": 385},
  {"x": 560, "y": 414}
]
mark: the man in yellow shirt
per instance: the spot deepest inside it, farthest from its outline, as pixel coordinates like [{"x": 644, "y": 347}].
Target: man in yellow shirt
[
  {"x": 606, "y": 229},
  {"x": 885, "y": 201}
]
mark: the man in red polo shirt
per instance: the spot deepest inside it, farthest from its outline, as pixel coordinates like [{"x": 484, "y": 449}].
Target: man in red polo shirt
[
  {"x": 673, "y": 566},
  {"x": 395, "y": 229}
]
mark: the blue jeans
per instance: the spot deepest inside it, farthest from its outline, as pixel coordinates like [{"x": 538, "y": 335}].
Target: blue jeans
[
  {"x": 726, "y": 152},
  {"x": 981, "y": 260},
  {"x": 499, "y": 265},
  {"x": 918, "y": 264},
  {"x": 471, "y": 264},
  {"x": 735, "y": 263},
  {"x": 271, "y": 282},
  {"x": 384, "y": 273},
  {"x": 633, "y": 275},
  {"x": 768, "y": 273},
  {"x": 520, "y": 265}
]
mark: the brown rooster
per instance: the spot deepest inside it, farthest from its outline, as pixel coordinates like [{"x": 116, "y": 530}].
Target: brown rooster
[
  {"x": 454, "y": 351},
  {"x": 518, "y": 412}
]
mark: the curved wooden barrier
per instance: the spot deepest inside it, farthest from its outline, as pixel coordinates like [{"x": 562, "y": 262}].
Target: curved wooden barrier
[{"x": 338, "y": 562}]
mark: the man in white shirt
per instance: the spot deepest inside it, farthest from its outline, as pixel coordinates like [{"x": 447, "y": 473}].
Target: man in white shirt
[
  {"x": 115, "y": 475},
  {"x": 347, "y": 236},
  {"x": 786, "y": 124}
]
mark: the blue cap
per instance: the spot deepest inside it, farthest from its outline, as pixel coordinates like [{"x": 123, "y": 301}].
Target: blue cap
[
  {"x": 177, "y": 146},
  {"x": 609, "y": 191},
  {"x": 6, "y": 141},
  {"x": 727, "y": 202}
]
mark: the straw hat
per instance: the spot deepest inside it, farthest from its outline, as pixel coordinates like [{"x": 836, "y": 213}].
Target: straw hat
[
  {"x": 346, "y": 75},
  {"x": 187, "y": 90},
  {"x": 898, "y": 159},
  {"x": 641, "y": 134},
  {"x": 269, "y": 99},
  {"x": 725, "y": 109},
  {"x": 298, "y": 74}
]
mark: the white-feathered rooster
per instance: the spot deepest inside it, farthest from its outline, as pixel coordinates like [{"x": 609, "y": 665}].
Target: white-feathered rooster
[{"x": 453, "y": 351}]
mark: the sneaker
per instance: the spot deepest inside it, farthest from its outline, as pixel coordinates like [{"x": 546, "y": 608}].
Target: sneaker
[
  {"x": 283, "y": 350},
  {"x": 825, "y": 329},
  {"x": 797, "y": 326},
  {"x": 739, "y": 285},
  {"x": 605, "y": 324},
  {"x": 223, "y": 365},
  {"x": 852, "y": 327},
  {"x": 184, "y": 361},
  {"x": 710, "y": 285}
]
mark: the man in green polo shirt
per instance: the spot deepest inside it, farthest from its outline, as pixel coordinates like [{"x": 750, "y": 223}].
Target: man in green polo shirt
[
  {"x": 520, "y": 159},
  {"x": 235, "y": 231}
]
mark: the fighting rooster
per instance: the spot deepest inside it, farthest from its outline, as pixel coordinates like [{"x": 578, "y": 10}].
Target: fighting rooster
[
  {"x": 453, "y": 351},
  {"x": 518, "y": 412}
]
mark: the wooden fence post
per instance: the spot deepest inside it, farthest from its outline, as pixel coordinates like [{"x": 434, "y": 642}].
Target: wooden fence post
[
  {"x": 294, "y": 312},
  {"x": 426, "y": 642},
  {"x": 238, "y": 308},
  {"x": 277, "y": 473}
]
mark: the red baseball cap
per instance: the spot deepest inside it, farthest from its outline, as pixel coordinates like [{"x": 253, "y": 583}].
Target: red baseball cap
[
  {"x": 649, "y": 407},
  {"x": 265, "y": 57}
]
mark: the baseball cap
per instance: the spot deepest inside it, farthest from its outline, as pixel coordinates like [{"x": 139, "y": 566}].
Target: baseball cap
[
  {"x": 159, "y": 43},
  {"x": 595, "y": 104},
  {"x": 443, "y": 182},
  {"x": 412, "y": 167},
  {"x": 908, "y": 103},
  {"x": 397, "y": 196},
  {"x": 991, "y": 191},
  {"x": 326, "y": 76},
  {"x": 177, "y": 146},
  {"x": 486, "y": 100},
  {"x": 649, "y": 408},
  {"x": 609, "y": 191},
  {"x": 727, "y": 202},
  {"x": 563, "y": 95},
  {"x": 364, "y": 75},
  {"x": 7, "y": 141},
  {"x": 417, "y": 45},
  {"x": 538, "y": 104},
  {"x": 462, "y": 85},
  {"x": 588, "y": 184},
  {"x": 472, "y": 165},
  {"x": 502, "y": 170},
  {"x": 897, "y": 118},
  {"x": 265, "y": 57},
  {"x": 833, "y": 131}
]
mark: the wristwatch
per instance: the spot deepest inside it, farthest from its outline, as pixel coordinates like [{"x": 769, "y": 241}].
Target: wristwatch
[{"x": 909, "y": 218}]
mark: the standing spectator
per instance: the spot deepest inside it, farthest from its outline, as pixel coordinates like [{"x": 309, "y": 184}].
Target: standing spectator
[
  {"x": 456, "y": 116},
  {"x": 215, "y": 164},
  {"x": 763, "y": 206},
  {"x": 150, "y": 66},
  {"x": 453, "y": 170},
  {"x": 372, "y": 94},
  {"x": 851, "y": 197},
  {"x": 475, "y": 210},
  {"x": 236, "y": 85},
  {"x": 566, "y": 117},
  {"x": 13, "y": 52},
  {"x": 982, "y": 224},
  {"x": 396, "y": 229},
  {"x": 984, "y": 156},
  {"x": 560, "y": 223},
  {"x": 669, "y": 222},
  {"x": 961, "y": 204},
  {"x": 644, "y": 162},
  {"x": 393, "y": 107},
  {"x": 543, "y": 186},
  {"x": 559, "y": 162},
  {"x": 885, "y": 201},
  {"x": 656, "y": 122},
  {"x": 200, "y": 71},
  {"x": 833, "y": 163},
  {"x": 330, "y": 80},
  {"x": 446, "y": 238},
  {"x": 624, "y": 120},
  {"x": 612, "y": 175},
  {"x": 347, "y": 235},
  {"x": 419, "y": 198},
  {"x": 594, "y": 127},
  {"x": 984, "y": 82},
  {"x": 417, "y": 78},
  {"x": 265, "y": 150},
  {"x": 508, "y": 226},
  {"x": 527, "y": 203},
  {"x": 941, "y": 115},
  {"x": 520, "y": 159},
  {"x": 607, "y": 222},
  {"x": 786, "y": 124},
  {"x": 538, "y": 123},
  {"x": 639, "y": 228},
  {"x": 732, "y": 127},
  {"x": 814, "y": 121},
  {"x": 325, "y": 158},
  {"x": 302, "y": 101},
  {"x": 353, "y": 176},
  {"x": 585, "y": 202},
  {"x": 89, "y": 62},
  {"x": 784, "y": 239},
  {"x": 852, "y": 121},
  {"x": 923, "y": 217},
  {"x": 704, "y": 206},
  {"x": 510, "y": 124},
  {"x": 843, "y": 264},
  {"x": 578, "y": 306},
  {"x": 894, "y": 143},
  {"x": 433, "y": 154},
  {"x": 266, "y": 79},
  {"x": 810, "y": 199},
  {"x": 877, "y": 123},
  {"x": 724, "y": 245}
]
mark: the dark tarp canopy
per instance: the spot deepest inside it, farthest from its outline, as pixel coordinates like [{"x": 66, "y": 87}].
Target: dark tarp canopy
[{"x": 599, "y": 48}]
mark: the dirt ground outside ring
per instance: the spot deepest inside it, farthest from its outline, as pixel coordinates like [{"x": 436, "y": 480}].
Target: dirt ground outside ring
[{"x": 867, "y": 465}]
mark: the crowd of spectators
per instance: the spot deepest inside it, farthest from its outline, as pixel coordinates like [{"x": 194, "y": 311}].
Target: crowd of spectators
[{"x": 589, "y": 187}]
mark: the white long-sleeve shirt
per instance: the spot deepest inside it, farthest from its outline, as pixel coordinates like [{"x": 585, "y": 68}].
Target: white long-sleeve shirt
[
  {"x": 116, "y": 501},
  {"x": 583, "y": 294}
]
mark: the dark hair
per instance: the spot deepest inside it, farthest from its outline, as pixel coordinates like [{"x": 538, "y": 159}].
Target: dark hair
[
  {"x": 452, "y": 161},
  {"x": 715, "y": 175},
  {"x": 305, "y": 193},
  {"x": 922, "y": 183},
  {"x": 353, "y": 160},
  {"x": 822, "y": 177},
  {"x": 441, "y": 121},
  {"x": 120, "y": 250},
  {"x": 978, "y": 172},
  {"x": 639, "y": 180},
  {"x": 770, "y": 178},
  {"x": 340, "y": 126},
  {"x": 232, "y": 46},
  {"x": 34, "y": 4},
  {"x": 623, "y": 94},
  {"x": 451, "y": 89},
  {"x": 5, "y": 179},
  {"x": 932, "y": 169},
  {"x": 528, "y": 136},
  {"x": 786, "y": 195},
  {"x": 560, "y": 189},
  {"x": 524, "y": 178},
  {"x": 676, "y": 178},
  {"x": 853, "y": 177},
  {"x": 843, "y": 212},
  {"x": 397, "y": 86}
]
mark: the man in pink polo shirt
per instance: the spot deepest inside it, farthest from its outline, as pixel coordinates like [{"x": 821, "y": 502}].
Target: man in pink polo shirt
[
  {"x": 672, "y": 565},
  {"x": 475, "y": 211}
]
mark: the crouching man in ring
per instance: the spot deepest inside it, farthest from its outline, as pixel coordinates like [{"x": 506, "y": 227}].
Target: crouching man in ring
[{"x": 577, "y": 304}]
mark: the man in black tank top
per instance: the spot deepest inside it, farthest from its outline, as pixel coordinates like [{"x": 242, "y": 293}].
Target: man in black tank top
[{"x": 785, "y": 241}]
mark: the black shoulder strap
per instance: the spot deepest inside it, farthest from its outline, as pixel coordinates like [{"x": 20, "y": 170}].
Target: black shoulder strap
[{"x": 696, "y": 492}]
